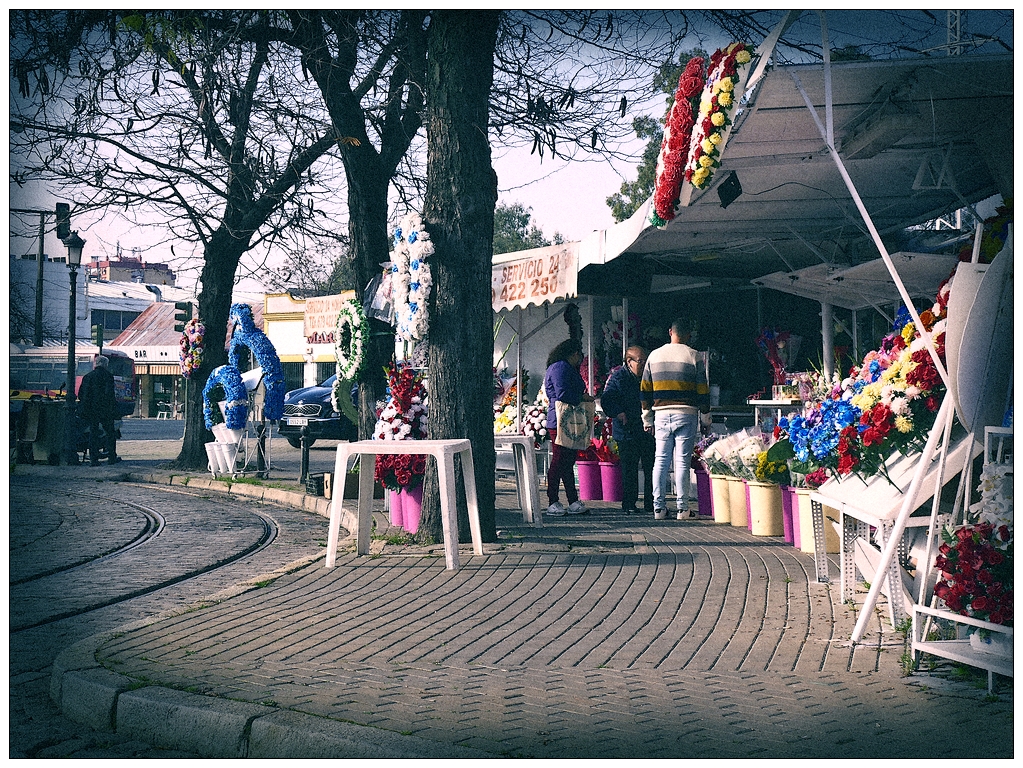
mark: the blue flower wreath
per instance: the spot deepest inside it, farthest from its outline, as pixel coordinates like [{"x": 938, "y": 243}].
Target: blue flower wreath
[
  {"x": 246, "y": 334},
  {"x": 237, "y": 408}
]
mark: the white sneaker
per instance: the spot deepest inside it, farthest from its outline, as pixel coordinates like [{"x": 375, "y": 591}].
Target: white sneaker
[
  {"x": 685, "y": 515},
  {"x": 577, "y": 508},
  {"x": 660, "y": 514},
  {"x": 556, "y": 509}
]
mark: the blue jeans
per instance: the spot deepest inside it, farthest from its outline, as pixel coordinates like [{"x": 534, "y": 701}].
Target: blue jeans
[{"x": 675, "y": 434}]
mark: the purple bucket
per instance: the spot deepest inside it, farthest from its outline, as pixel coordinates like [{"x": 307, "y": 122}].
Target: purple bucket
[
  {"x": 589, "y": 481},
  {"x": 412, "y": 507},
  {"x": 703, "y": 493},
  {"x": 794, "y": 506},
  {"x": 397, "y": 513},
  {"x": 786, "y": 513},
  {"x": 610, "y": 481}
]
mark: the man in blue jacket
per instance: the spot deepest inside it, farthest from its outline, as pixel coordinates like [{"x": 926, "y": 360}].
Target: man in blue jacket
[{"x": 621, "y": 403}]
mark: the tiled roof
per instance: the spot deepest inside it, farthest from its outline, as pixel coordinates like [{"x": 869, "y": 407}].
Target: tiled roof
[{"x": 155, "y": 327}]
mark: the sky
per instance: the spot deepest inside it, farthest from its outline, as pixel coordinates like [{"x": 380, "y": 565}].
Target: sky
[{"x": 565, "y": 197}]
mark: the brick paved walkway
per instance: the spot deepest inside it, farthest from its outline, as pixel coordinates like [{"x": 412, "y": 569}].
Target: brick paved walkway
[{"x": 596, "y": 636}]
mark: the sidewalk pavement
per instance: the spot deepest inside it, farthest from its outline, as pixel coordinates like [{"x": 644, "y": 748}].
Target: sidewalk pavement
[{"x": 601, "y": 635}]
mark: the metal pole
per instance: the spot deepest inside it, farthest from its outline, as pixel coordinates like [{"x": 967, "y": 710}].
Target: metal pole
[
  {"x": 70, "y": 449},
  {"x": 37, "y": 337}
]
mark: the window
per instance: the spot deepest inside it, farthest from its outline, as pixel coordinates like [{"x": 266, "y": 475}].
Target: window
[
  {"x": 294, "y": 377},
  {"x": 324, "y": 371}
]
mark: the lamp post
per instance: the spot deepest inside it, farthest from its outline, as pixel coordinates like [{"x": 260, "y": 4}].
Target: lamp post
[{"x": 74, "y": 259}]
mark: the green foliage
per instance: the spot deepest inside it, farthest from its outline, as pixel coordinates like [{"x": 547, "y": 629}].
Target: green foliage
[{"x": 514, "y": 230}]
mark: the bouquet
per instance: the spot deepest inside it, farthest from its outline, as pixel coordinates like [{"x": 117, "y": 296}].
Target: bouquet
[
  {"x": 191, "y": 344},
  {"x": 402, "y": 417},
  {"x": 976, "y": 572}
]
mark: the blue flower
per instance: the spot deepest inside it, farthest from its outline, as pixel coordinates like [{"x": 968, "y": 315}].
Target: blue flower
[
  {"x": 414, "y": 265},
  {"x": 412, "y": 237},
  {"x": 875, "y": 370},
  {"x": 397, "y": 234},
  {"x": 901, "y": 318},
  {"x": 413, "y": 307},
  {"x": 414, "y": 286}
]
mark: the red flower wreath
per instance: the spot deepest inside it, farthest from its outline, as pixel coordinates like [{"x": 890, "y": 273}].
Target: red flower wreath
[{"x": 678, "y": 130}]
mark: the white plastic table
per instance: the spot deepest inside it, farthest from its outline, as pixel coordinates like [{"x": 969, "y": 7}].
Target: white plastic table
[
  {"x": 444, "y": 452},
  {"x": 526, "y": 481}
]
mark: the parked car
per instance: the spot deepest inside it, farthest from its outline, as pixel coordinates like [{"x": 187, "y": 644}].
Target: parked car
[{"x": 310, "y": 407}]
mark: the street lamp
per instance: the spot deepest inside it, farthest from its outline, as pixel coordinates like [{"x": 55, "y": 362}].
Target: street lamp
[{"x": 74, "y": 244}]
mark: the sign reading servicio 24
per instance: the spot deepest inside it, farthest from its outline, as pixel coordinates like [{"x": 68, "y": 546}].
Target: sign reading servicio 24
[{"x": 536, "y": 276}]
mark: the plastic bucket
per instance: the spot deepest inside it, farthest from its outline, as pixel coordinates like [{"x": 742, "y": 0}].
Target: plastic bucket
[
  {"x": 738, "y": 510},
  {"x": 610, "y": 481},
  {"x": 765, "y": 506},
  {"x": 412, "y": 507},
  {"x": 589, "y": 481},
  {"x": 719, "y": 498},
  {"x": 703, "y": 493},
  {"x": 396, "y": 502}
]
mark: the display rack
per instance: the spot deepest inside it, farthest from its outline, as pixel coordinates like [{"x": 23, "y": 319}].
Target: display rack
[{"x": 767, "y": 413}]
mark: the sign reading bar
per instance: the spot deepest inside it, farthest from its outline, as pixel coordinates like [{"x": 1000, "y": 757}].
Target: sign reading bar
[
  {"x": 321, "y": 317},
  {"x": 538, "y": 276}
]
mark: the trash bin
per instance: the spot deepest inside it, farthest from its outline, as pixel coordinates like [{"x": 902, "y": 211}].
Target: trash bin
[{"x": 42, "y": 427}]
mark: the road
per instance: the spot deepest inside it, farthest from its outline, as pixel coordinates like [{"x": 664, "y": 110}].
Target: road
[{"x": 79, "y": 551}]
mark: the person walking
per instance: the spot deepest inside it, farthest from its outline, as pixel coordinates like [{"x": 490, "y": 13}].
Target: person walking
[
  {"x": 563, "y": 382},
  {"x": 621, "y": 402},
  {"x": 676, "y": 399},
  {"x": 99, "y": 409}
]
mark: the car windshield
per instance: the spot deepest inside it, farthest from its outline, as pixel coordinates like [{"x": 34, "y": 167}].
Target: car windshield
[{"x": 329, "y": 382}]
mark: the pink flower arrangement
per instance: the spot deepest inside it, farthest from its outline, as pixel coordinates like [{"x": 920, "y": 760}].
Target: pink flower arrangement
[{"x": 191, "y": 345}]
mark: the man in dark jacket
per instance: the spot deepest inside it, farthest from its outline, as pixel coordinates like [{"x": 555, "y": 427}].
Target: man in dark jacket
[
  {"x": 621, "y": 403},
  {"x": 99, "y": 409}
]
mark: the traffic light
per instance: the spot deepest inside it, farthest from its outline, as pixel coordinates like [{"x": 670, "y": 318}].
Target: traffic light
[
  {"x": 63, "y": 221},
  {"x": 182, "y": 314},
  {"x": 97, "y": 337}
]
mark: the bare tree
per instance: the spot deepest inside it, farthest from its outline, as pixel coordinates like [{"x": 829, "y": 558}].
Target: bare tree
[{"x": 200, "y": 123}]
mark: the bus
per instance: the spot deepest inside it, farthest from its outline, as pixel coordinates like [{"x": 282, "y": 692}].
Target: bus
[{"x": 40, "y": 373}]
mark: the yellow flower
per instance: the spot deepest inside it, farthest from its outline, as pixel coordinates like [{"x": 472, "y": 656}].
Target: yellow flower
[
  {"x": 742, "y": 57},
  {"x": 725, "y": 99},
  {"x": 718, "y": 119},
  {"x": 908, "y": 332},
  {"x": 706, "y": 105},
  {"x": 700, "y": 176},
  {"x": 707, "y": 145},
  {"x": 903, "y": 424},
  {"x": 714, "y": 138},
  {"x": 706, "y": 161},
  {"x": 725, "y": 84}
]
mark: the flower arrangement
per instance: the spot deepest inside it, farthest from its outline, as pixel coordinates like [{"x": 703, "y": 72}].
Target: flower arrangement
[
  {"x": 402, "y": 417},
  {"x": 735, "y": 455},
  {"x": 996, "y": 492},
  {"x": 771, "y": 343},
  {"x": 885, "y": 405},
  {"x": 977, "y": 572},
  {"x": 191, "y": 344},
  {"x": 599, "y": 379},
  {"x": 717, "y": 101},
  {"x": 225, "y": 381},
  {"x": 400, "y": 471},
  {"x": 504, "y": 419},
  {"x": 614, "y": 331},
  {"x": 534, "y": 422},
  {"x": 768, "y": 471},
  {"x": 411, "y": 279},
  {"x": 350, "y": 333},
  {"x": 246, "y": 334},
  {"x": 678, "y": 129}
]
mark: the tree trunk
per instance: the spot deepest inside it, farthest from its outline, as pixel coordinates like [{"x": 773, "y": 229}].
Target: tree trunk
[
  {"x": 461, "y": 193},
  {"x": 221, "y": 258},
  {"x": 367, "y": 206}
]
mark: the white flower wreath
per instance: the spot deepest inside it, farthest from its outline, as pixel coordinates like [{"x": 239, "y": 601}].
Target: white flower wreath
[
  {"x": 350, "y": 334},
  {"x": 411, "y": 279}
]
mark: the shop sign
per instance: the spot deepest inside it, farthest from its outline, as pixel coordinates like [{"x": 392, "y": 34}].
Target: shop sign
[
  {"x": 539, "y": 276},
  {"x": 321, "y": 317}
]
